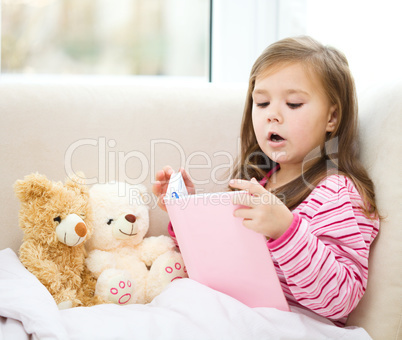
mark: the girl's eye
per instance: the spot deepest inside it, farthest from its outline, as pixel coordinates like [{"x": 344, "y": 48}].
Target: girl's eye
[
  {"x": 57, "y": 219},
  {"x": 263, "y": 104},
  {"x": 110, "y": 221},
  {"x": 295, "y": 105}
]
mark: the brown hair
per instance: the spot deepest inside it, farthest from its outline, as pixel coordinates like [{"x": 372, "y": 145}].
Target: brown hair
[{"x": 340, "y": 153}]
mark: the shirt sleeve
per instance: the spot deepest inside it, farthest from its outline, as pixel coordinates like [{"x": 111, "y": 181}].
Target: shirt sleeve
[
  {"x": 172, "y": 234},
  {"x": 324, "y": 253}
]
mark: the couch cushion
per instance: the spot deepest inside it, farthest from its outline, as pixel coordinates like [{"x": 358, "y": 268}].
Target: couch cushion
[{"x": 381, "y": 142}]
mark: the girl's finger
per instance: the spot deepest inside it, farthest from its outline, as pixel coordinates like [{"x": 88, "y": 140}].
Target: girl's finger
[
  {"x": 160, "y": 175},
  {"x": 245, "y": 213},
  {"x": 161, "y": 202},
  {"x": 187, "y": 181},
  {"x": 243, "y": 199},
  {"x": 253, "y": 187},
  {"x": 168, "y": 170},
  {"x": 185, "y": 176},
  {"x": 157, "y": 188},
  {"x": 163, "y": 175},
  {"x": 248, "y": 223}
]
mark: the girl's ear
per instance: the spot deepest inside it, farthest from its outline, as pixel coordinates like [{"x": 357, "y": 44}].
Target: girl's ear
[{"x": 332, "y": 118}]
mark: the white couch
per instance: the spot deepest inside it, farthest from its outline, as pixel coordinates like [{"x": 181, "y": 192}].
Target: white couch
[{"x": 127, "y": 130}]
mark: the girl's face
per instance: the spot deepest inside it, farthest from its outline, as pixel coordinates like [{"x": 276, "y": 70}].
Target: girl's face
[{"x": 291, "y": 114}]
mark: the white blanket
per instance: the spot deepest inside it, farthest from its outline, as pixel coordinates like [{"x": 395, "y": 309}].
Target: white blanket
[{"x": 185, "y": 310}]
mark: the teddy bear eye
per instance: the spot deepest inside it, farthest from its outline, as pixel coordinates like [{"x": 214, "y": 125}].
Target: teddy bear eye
[
  {"x": 110, "y": 221},
  {"x": 57, "y": 219}
]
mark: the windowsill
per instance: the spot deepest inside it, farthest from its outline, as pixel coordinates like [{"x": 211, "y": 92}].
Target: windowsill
[
  {"x": 105, "y": 80},
  {"x": 99, "y": 79}
]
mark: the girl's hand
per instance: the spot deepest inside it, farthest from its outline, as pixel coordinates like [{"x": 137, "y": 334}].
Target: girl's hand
[
  {"x": 264, "y": 213},
  {"x": 162, "y": 181}
]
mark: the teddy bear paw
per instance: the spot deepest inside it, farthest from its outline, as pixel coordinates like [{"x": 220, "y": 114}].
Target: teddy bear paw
[
  {"x": 167, "y": 268},
  {"x": 120, "y": 290},
  {"x": 174, "y": 271},
  {"x": 65, "y": 305},
  {"x": 116, "y": 286}
]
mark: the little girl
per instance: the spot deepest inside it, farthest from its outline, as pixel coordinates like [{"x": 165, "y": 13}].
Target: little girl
[{"x": 310, "y": 196}]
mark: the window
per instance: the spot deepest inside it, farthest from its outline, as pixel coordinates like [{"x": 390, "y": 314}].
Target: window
[
  {"x": 172, "y": 37},
  {"x": 366, "y": 31},
  {"x": 119, "y": 37}
]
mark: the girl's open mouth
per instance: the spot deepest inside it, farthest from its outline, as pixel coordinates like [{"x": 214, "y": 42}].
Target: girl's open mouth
[{"x": 274, "y": 137}]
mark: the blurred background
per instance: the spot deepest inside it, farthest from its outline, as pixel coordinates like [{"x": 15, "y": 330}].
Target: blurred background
[
  {"x": 119, "y": 37},
  {"x": 202, "y": 40}
]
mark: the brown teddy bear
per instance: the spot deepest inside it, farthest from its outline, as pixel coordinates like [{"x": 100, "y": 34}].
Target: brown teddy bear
[{"x": 56, "y": 220}]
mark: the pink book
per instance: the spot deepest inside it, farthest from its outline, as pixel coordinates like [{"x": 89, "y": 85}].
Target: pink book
[{"x": 221, "y": 253}]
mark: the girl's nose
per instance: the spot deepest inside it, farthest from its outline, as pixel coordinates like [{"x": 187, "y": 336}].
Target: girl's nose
[{"x": 274, "y": 114}]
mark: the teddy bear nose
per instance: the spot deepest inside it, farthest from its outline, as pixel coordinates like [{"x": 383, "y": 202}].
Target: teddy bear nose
[
  {"x": 130, "y": 218},
  {"x": 81, "y": 229}
]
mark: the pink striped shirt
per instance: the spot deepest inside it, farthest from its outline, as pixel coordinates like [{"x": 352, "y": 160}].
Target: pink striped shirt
[{"x": 322, "y": 259}]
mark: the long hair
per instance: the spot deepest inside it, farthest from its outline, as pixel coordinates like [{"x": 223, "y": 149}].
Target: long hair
[{"x": 340, "y": 153}]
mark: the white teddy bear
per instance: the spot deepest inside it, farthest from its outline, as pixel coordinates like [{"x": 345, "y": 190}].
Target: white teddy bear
[{"x": 129, "y": 267}]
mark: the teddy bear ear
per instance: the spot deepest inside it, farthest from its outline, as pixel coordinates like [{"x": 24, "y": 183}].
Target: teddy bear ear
[
  {"x": 77, "y": 182},
  {"x": 32, "y": 186}
]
